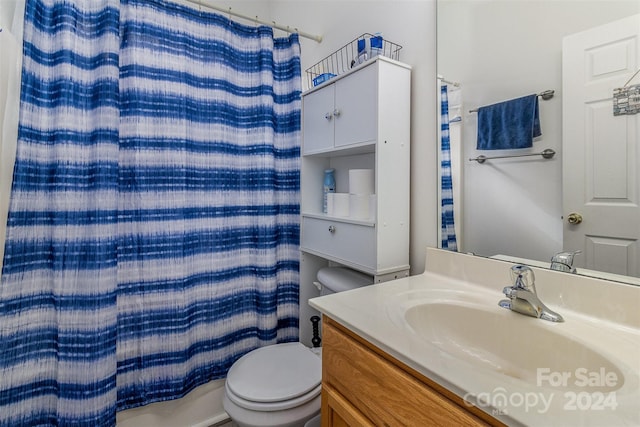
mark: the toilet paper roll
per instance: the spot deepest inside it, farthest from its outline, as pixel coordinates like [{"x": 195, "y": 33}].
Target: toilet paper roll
[
  {"x": 361, "y": 181},
  {"x": 340, "y": 204},
  {"x": 359, "y": 206},
  {"x": 372, "y": 207},
  {"x": 330, "y": 203}
]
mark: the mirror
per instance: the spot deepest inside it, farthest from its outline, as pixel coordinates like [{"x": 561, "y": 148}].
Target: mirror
[{"x": 499, "y": 50}]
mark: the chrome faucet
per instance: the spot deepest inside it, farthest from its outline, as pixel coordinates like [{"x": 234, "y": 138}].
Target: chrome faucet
[
  {"x": 563, "y": 261},
  {"x": 523, "y": 297}
]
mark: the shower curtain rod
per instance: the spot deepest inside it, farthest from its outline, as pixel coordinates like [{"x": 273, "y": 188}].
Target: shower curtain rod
[{"x": 255, "y": 19}]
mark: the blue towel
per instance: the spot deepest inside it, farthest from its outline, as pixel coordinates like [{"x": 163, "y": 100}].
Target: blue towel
[{"x": 509, "y": 124}]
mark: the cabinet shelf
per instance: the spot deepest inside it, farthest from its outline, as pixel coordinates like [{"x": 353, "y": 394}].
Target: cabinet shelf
[
  {"x": 346, "y": 220},
  {"x": 351, "y": 150}
]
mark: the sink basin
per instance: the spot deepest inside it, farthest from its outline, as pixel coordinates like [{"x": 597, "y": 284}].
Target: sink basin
[
  {"x": 446, "y": 325},
  {"x": 514, "y": 345}
]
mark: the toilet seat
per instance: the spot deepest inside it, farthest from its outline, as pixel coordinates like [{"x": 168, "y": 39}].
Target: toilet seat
[
  {"x": 274, "y": 406},
  {"x": 275, "y": 378}
]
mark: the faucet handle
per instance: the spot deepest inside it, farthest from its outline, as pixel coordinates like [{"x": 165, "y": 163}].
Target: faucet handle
[
  {"x": 522, "y": 277},
  {"x": 563, "y": 261},
  {"x": 509, "y": 292}
]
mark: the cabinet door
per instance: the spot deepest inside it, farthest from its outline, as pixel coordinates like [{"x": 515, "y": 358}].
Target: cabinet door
[
  {"x": 394, "y": 396},
  {"x": 338, "y": 412},
  {"x": 356, "y": 107},
  {"x": 318, "y": 120}
]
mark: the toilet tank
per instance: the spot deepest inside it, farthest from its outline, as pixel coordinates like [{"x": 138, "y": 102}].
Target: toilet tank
[{"x": 339, "y": 279}]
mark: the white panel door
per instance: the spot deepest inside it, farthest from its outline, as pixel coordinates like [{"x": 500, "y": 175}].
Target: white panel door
[{"x": 601, "y": 152}]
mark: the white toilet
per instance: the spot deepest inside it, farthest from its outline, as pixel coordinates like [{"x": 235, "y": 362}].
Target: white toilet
[{"x": 279, "y": 385}]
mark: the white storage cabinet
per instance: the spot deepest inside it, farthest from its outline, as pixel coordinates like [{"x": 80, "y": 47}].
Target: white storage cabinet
[{"x": 359, "y": 120}]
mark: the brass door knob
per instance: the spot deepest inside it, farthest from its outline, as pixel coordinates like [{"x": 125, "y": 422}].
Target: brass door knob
[{"x": 574, "y": 218}]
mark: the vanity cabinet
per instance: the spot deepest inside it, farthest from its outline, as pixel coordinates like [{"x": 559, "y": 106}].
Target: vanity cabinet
[
  {"x": 359, "y": 120},
  {"x": 364, "y": 386}
]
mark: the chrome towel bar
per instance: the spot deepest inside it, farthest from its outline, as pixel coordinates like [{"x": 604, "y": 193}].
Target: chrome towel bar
[
  {"x": 546, "y": 95},
  {"x": 547, "y": 154}
]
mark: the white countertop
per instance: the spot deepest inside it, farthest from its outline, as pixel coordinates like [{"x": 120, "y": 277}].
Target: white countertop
[{"x": 375, "y": 313}]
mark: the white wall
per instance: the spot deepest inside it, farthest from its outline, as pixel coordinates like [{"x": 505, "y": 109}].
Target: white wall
[{"x": 500, "y": 50}]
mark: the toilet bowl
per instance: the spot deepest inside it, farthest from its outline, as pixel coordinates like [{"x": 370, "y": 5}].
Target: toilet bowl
[{"x": 279, "y": 385}]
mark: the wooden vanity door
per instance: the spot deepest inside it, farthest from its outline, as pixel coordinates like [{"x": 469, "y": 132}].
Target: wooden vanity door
[
  {"x": 338, "y": 412},
  {"x": 361, "y": 386}
]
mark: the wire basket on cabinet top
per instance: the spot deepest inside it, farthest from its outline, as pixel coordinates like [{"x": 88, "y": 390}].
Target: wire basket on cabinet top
[{"x": 350, "y": 55}]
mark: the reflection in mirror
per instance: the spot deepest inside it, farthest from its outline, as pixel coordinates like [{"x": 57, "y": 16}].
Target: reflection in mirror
[{"x": 500, "y": 50}]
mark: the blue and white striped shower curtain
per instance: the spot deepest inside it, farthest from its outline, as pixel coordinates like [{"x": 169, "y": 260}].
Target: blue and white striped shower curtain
[
  {"x": 447, "y": 229},
  {"x": 153, "y": 229}
]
